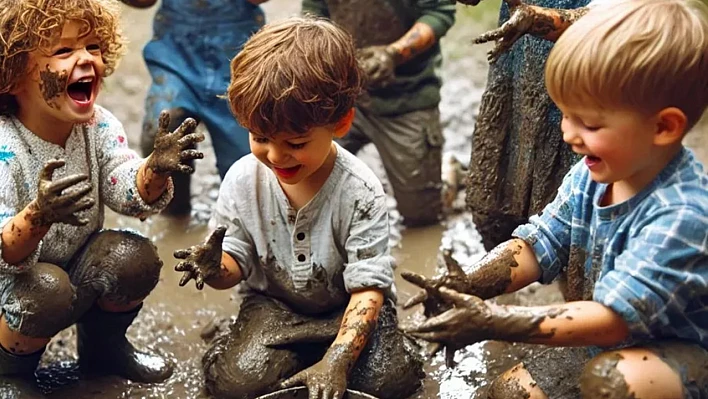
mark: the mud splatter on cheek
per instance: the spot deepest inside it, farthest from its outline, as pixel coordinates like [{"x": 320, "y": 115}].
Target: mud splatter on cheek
[{"x": 52, "y": 84}]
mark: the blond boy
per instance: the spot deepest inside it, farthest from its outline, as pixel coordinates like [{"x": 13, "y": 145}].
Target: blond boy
[{"x": 628, "y": 230}]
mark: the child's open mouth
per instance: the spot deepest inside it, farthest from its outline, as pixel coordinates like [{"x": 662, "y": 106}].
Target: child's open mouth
[
  {"x": 591, "y": 161},
  {"x": 287, "y": 172},
  {"x": 81, "y": 91}
]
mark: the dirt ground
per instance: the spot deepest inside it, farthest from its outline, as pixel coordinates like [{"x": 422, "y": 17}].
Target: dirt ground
[{"x": 174, "y": 318}]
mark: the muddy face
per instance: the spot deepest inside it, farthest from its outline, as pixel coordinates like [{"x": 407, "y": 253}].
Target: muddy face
[{"x": 52, "y": 85}]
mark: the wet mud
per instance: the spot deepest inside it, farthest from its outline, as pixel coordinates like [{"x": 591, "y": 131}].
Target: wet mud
[
  {"x": 52, "y": 84},
  {"x": 181, "y": 322}
]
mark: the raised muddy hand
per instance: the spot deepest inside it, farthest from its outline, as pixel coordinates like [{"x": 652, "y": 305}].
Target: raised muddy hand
[
  {"x": 201, "y": 262},
  {"x": 379, "y": 64},
  {"x": 60, "y": 201},
  {"x": 522, "y": 18},
  {"x": 173, "y": 150}
]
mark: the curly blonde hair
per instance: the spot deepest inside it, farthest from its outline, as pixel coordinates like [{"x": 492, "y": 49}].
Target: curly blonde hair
[{"x": 28, "y": 25}]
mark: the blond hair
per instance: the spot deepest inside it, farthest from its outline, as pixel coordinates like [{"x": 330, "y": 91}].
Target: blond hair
[
  {"x": 294, "y": 75},
  {"x": 639, "y": 55},
  {"x": 28, "y": 25}
]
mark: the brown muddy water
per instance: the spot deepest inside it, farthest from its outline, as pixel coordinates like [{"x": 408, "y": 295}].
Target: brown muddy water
[{"x": 175, "y": 320}]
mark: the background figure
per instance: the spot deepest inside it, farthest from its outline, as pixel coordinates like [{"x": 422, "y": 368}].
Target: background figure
[
  {"x": 518, "y": 156},
  {"x": 399, "y": 51},
  {"x": 188, "y": 59}
]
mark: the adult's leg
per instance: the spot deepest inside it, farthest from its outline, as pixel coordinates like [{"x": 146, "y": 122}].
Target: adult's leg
[
  {"x": 168, "y": 93},
  {"x": 113, "y": 273},
  {"x": 35, "y": 306},
  {"x": 389, "y": 366},
  {"x": 410, "y": 146},
  {"x": 667, "y": 370},
  {"x": 553, "y": 373}
]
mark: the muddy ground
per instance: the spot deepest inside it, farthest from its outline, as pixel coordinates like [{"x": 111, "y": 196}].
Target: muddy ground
[{"x": 175, "y": 319}]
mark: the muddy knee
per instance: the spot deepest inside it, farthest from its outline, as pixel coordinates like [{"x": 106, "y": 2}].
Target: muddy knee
[
  {"x": 515, "y": 383},
  {"x": 40, "y": 301},
  {"x": 120, "y": 266},
  {"x": 601, "y": 378},
  {"x": 243, "y": 369}
]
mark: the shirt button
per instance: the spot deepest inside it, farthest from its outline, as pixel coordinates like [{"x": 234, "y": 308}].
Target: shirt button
[
  {"x": 300, "y": 236},
  {"x": 301, "y": 258}
]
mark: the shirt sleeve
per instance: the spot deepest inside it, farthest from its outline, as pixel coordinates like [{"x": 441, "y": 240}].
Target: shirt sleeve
[
  {"x": 315, "y": 7},
  {"x": 10, "y": 206},
  {"x": 118, "y": 166},
  {"x": 664, "y": 266},
  {"x": 369, "y": 261},
  {"x": 548, "y": 233},
  {"x": 438, "y": 14},
  {"x": 237, "y": 241}
]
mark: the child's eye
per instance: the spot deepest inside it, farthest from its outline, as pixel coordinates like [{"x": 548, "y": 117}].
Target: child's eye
[
  {"x": 260, "y": 140},
  {"x": 63, "y": 50},
  {"x": 592, "y": 128},
  {"x": 297, "y": 146},
  {"x": 93, "y": 47}
]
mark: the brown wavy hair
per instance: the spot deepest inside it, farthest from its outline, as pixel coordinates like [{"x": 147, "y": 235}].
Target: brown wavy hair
[
  {"x": 28, "y": 25},
  {"x": 294, "y": 75}
]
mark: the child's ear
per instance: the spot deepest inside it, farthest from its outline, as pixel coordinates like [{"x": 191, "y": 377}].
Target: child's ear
[
  {"x": 671, "y": 126},
  {"x": 342, "y": 127}
]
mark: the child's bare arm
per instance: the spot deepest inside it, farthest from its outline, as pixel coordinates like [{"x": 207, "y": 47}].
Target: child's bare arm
[
  {"x": 207, "y": 263},
  {"x": 57, "y": 202},
  {"x": 171, "y": 154},
  {"x": 328, "y": 378},
  {"x": 571, "y": 324}
]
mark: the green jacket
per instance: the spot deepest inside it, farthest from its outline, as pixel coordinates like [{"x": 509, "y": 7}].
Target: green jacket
[{"x": 381, "y": 22}]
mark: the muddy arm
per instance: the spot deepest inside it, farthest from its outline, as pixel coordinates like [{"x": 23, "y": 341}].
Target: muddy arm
[
  {"x": 229, "y": 274},
  {"x": 328, "y": 378},
  {"x": 547, "y": 23},
  {"x": 473, "y": 320}
]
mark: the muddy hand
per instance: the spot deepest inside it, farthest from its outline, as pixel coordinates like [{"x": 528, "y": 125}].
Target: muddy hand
[
  {"x": 203, "y": 261},
  {"x": 522, "y": 18},
  {"x": 455, "y": 278},
  {"x": 60, "y": 201},
  {"x": 174, "y": 150},
  {"x": 327, "y": 379},
  {"x": 469, "y": 322},
  {"x": 379, "y": 64}
]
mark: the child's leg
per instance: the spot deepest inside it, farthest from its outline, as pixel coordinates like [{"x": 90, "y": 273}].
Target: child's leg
[
  {"x": 389, "y": 366},
  {"x": 410, "y": 146},
  {"x": 229, "y": 138},
  {"x": 666, "y": 370},
  {"x": 240, "y": 363},
  {"x": 552, "y": 373},
  {"x": 113, "y": 273},
  {"x": 35, "y": 305}
]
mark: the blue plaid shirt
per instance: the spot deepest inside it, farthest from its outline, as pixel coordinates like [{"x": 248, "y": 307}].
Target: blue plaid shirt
[{"x": 645, "y": 258}]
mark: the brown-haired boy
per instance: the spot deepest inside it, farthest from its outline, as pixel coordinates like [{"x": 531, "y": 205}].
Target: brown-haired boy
[
  {"x": 62, "y": 158},
  {"x": 305, "y": 228}
]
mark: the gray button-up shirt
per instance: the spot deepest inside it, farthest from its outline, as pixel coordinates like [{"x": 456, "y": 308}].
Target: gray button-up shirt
[{"x": 314, "y": 257}]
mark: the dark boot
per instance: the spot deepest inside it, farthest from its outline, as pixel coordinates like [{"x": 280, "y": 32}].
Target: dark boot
[
  {"x": 103, "y": 348},
  {"x": 11, "y": 364}
]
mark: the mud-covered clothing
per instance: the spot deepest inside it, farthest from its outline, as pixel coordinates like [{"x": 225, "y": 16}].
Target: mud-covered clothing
[
  {"x": 314, "y": 257},
  {"x": 645, "y": 258},
  {"x": 118, "y": 266},
  {"x": 410, "y": 146},
  {"x": 558, "y": 370},
  {"x": 375, "y": 22},
  {"x": 98, "y": 149},
  {"x": 270, "y": 342},
  {"x": 188, "y": 59}
]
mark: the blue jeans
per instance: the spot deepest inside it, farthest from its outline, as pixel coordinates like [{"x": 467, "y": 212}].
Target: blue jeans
[{"x": 188, "y": 60}]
